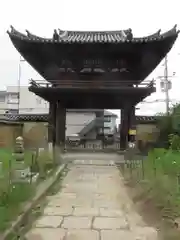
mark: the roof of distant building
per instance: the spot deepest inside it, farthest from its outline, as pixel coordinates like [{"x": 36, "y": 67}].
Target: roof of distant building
[
  {"x": 108, "y": 113},
  {"x": 44, "y": 118}
]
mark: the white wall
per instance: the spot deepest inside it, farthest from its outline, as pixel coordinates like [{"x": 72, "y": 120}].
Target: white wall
[
  {"x": 75, "y": 122},
  {"x": 3, "y": 107},
  {"x": 28, "y": 103},
  {"x": 2, "y": 102},
  {"x": 111, "y": 125},
  {"x": 12, "y": 98},
  {"x": 31, "y": 104},
  {"x": 12, "y": 89}
]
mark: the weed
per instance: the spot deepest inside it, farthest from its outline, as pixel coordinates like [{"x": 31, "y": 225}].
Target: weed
[{"x": 158, "y": 178}]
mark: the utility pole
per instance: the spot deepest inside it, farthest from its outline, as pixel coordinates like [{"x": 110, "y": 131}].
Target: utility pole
[
  {"x": 166, "y": 83},
  {"x": 19, "y": 80}
]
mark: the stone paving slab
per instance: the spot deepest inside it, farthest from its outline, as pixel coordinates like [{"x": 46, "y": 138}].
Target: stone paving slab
[
  {"x": 93, "y": 205},
  {"x": 74, "y": 222},
  {"x": 58, "y": 211},
  {"x": 82, "y": 235},
  {"x": 86, "y": 211},
  {"x": 107, "y": 212},
  {"x": 46, "y": 234},
  {"x": 117, "y": 235},
  {"x": 110, "y": 223},
  {"x": 49, "y": 221}
]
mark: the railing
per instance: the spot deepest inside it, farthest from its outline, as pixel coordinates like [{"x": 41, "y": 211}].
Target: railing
[
  {"x": 94, "y": 145},
  {"x": 100, "y": 84}
]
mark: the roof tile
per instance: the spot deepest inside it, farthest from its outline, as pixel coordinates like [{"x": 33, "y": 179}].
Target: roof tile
[
  {"x": 92, "y": 37},
  {"x": 44, "y": 117}
]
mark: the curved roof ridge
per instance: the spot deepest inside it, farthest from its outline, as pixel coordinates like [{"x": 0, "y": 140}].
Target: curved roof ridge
[
  {"x": 94, "y": 32},
  {"x": 154, "y": 35},
  {"x": 157, "y": 33},
  {"x": 172, "y": 31},
  {"x": 31, "y": 35},
  {"x": 93, "y": 36},
  {"x": 15, "y": 32}
]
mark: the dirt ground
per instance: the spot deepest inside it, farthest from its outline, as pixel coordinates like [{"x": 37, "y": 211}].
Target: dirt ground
[{"x": 146, "y": 207}]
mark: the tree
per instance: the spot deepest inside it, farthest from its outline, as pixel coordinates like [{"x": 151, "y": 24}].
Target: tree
[
  {"x": 175, "y": 114},
  {"x": 168, "y": 124}
]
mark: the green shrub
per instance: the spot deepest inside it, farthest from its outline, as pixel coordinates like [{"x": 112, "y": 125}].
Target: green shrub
[
  {"x": 45, "y": 163},
  {"x": 160, "y": 179},
  {"x": 174, "y": 141}
]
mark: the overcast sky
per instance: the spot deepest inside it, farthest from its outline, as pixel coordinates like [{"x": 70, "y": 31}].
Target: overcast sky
[{"x": 41, "y": 17}]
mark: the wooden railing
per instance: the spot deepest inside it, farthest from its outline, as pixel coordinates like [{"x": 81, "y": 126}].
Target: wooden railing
[{"x": 89, "y": 84}]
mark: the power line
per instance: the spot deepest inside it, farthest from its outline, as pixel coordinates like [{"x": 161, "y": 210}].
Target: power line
[{"x": 159, "y": 101}]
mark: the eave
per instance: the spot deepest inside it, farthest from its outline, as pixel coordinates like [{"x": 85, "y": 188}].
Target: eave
[
  {"x": 116, "y": 98},
  {"x": 46, "y": 55}
]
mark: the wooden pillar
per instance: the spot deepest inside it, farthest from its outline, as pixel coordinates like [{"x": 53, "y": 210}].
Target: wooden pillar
[
  {"x": 52, "y": 123},
  {"x": 124, "y": 127},
  {"x": 60, "y": 125},
  {"x": 132, "y": 124}
]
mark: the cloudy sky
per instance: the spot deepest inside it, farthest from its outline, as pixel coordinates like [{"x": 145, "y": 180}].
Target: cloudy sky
[{"x": 41, "y": 17}]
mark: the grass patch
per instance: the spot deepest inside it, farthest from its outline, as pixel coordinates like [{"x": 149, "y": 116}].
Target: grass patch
[
  {"x": 155, "y": 189},
  {"x": 14, "y": 195},
  {"x": 10, "y": 203},
  {"x": 7, "y": 159},
  {"x": 37, "y": 211}
]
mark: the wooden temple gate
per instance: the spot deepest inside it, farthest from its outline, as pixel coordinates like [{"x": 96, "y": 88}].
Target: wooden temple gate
[{"x": 93, "y": 70}]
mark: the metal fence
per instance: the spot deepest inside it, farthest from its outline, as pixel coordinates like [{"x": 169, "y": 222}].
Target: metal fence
[{"x": 93, "y": 146}]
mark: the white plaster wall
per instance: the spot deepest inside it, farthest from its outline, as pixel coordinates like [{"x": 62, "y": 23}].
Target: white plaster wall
[
  {"x": 111, "y": 125},
  {"x": 75, "y": 121},
  {"x": 32, "y": 104},
  {"x": 3, "y": 107}
]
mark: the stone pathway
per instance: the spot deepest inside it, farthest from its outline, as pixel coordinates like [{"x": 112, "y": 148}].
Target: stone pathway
[{"x": 92, "y": 205}]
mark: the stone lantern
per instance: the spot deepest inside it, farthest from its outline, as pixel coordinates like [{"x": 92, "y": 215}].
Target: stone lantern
[
  {"x": 19, "y": 149},
  {"x": 20, "y": 171}
]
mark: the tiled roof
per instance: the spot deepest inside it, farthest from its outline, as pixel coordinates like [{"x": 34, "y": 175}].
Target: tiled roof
[
  {"x": 91, "y": 36},
  {"x": 27, "y": 117},
  {"x": 44, "y": 118}
]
